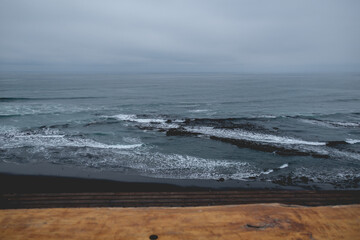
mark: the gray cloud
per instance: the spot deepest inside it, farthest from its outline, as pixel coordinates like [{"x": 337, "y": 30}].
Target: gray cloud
[{"x": 237, "y": 36}]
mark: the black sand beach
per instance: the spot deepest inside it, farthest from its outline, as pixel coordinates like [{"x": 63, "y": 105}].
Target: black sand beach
[
  {"x": 26, "y": 191},
  {"x": 43, "y": 185}
]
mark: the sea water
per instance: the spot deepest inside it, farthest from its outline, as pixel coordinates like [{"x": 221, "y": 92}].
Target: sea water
[{"x": 281, "y": 128}]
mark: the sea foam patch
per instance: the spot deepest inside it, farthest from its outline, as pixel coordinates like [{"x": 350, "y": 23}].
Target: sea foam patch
[
  {"x": 13, "y": 138},
  {"x": 330, "y": 124},
  {"x": 134, "y": 118},
  {"x": 282, "y": 145},
  {"x": 199, "y": 110},
  {"x": 352, "y": 141},
  {"x": 284, "y": 166},
  {"x": 251, "y": 136},
  {"x": 161, "y": 165},
  {"x": 34, "y": 109},
  {"x": 159, "y": 123},
  {"x": 325, "y": 175}
]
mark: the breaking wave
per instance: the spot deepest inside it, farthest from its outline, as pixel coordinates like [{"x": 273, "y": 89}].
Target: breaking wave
[
  {"x": 352, "y": 141},
  {"x": 331, "y": 124},
  {"x": 162, "y": 165},
  {"x": 13, "y": 138},
  {"x": 134, "y": 118},
  {"x": 17, "y": 99},
  {"x": 240, "y": 132},
  {"x": 38, "y": 109},
  {"x": 48, "y": 143},
  {"x": 251, "y": 136}
]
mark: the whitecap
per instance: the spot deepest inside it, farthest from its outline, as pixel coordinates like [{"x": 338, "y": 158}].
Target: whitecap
[
  {"x": 268, "y": 171},
  {"x": 116, "y": 146},
  {"x": 32, "y": 109},
  {"x": 352, "y": 141},
  {"x": 40, "y": 136},
  {"x": 199, "y": 110},
  {"x": 345, "y": 124},
  {"x": 317, "y": 122},
  {"x": 133, "y": 118},
  {"x": 266, "y": 116},
  {"x": 178, "y": 121},
  {"x": 149, "y": 120},
  {"x": 251, "y": 136},
  {"x": 18, "y": 139},
  {"x": 179, "y": 166},
  {"x": 284, "y": 166},
  {"x": 335, "y": 175},
  {"x": 330, "y": 124},
  {"x": 124, "y": 117}
]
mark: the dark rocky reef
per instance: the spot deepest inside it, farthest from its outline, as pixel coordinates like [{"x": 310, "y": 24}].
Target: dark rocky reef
[
  {"x": 180, "y": 132},
  {"x": 335, "y": 143}
]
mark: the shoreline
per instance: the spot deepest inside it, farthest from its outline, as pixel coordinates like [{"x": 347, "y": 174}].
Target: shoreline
[
  {"x": 52, "y": 186},
  {"x": 108, "y": 177}
]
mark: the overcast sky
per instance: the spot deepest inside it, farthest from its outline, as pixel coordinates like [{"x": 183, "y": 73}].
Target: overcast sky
[{"x": 180, "y": 36}]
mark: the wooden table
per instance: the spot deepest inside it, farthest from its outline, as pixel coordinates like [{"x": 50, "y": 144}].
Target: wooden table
[{"x": 248, "y": 221}]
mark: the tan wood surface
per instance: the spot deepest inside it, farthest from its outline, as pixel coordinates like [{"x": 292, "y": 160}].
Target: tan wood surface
[{"x": 253, "y": 221}]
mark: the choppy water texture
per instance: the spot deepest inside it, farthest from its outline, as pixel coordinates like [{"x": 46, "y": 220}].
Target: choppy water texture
[{"x": 286, "y": 129}]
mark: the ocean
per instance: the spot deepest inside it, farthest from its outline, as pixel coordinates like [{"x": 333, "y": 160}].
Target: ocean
[{"x": 279, "y": 129}]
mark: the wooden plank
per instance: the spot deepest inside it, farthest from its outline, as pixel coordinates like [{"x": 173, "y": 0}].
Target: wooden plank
[{"x": 253, "y": 221}]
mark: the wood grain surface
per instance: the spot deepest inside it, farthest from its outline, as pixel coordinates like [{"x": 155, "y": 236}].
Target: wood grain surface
[{"x": 253, "y": 221}]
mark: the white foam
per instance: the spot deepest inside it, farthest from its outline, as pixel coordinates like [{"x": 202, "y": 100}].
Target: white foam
[
  {"x": 317, "y": 122},
  {"x": 344, "y": 155},
  {"x": 352, "y": 141},
  {"x": 284, "y": 166},
  {"x": 41, "y": 108},
  {"x": 330, "y": 124},
  {"x": 160, "y": 123},
  {"x": 124, "y": 117},
  {"x": 162, "y": 165},
  {"x": 149, "y": 120},
  {"x": 55, "y": 140},
  {"x": 339, "y": 174},
  {"x": 199, "y": 110},
  {"x": 93, "y": 144},
  {"x": 178, "y": 121},
  {"x": 346, "y": 124},
  {"x": 39, "y": 136},
  {"x": 117, "y": 146},
  {"x": 266, "y": 116},
  {"x": 132, "y": 140},
  {"x": 8, "y": 130},
  {"x": 133, "y": 118},
  {"x": 190, "y": 167},
  {"x": 250, "y": 136},
  {"x": 267, "y": 172},
  {"x": 169, "y": 125}
]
